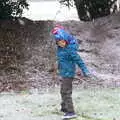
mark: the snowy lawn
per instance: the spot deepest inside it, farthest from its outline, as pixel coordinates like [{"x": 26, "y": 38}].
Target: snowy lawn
[{"x": 90, "y": 104}]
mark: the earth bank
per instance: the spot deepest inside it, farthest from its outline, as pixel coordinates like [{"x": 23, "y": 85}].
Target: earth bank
[
  {"x": 27, "y": 55},
  {"x": 27, "y": 51}
]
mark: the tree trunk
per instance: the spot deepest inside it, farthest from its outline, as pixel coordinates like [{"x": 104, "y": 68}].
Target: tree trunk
[{"x": 92, "y": 9}]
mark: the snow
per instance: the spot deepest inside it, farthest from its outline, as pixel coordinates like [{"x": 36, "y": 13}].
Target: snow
[
  {"x": 90, "y": 104},
  {"x": 50, "y": 10}
]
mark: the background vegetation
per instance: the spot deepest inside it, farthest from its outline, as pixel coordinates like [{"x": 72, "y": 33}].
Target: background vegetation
[
  {"x": 92, "y": 9},
  {"x": 10, "y": 8}
]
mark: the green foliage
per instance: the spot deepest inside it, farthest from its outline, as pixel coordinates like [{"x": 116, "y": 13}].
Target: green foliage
[
  {"x": 12, "y": 8},
  {"x": 92, "y": 9}
]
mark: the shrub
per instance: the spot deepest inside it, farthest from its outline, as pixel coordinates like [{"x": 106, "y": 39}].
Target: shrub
[{"x": 12, "y": 8}]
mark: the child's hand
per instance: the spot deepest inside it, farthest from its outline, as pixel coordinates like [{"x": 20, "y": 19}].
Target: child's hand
[{"x": 79, "y": 73}]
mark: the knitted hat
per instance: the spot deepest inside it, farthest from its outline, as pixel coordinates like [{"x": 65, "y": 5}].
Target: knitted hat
[{"x": 56, "y": 28}]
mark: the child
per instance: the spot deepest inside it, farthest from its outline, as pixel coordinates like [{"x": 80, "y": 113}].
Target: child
[{"x": 68, "y": 57}]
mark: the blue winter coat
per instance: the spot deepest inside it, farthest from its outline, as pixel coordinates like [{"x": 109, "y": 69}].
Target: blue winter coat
[{"x": 68, "y": 57}]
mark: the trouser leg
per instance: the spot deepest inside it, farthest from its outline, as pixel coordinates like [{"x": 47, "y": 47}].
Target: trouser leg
[{"x": 66, "y": 95}]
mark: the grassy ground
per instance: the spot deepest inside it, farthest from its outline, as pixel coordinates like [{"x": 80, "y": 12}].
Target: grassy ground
[{"x": 90, "y": 104}]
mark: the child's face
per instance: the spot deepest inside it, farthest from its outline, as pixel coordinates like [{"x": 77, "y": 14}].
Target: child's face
[{"x": 61, "y": 43}]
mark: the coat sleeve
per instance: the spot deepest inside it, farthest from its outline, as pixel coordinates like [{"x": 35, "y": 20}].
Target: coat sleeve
[{"x": 77, "y": 59}]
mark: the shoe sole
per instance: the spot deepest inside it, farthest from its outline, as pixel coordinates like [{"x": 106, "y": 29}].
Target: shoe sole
[{"x": 69, "y": 117}]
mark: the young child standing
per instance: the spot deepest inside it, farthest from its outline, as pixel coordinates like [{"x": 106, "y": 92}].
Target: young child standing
[{"x": 67, "y": 57}]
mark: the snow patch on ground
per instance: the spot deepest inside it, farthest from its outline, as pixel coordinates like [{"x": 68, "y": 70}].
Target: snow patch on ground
[{"x": 90, "y": 104}]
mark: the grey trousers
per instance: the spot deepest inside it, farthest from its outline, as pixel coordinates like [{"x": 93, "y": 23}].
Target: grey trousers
[{"x": 66, "y": 95}]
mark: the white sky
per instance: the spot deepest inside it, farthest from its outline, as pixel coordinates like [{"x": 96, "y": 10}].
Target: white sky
[{"x": 50, "y": 10}]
